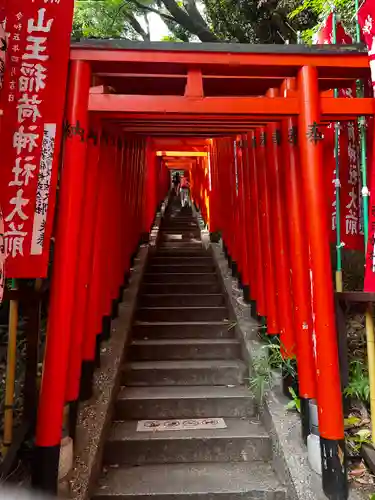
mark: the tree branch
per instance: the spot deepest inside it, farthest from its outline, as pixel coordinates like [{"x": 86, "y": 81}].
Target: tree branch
[
  {"x": 182, "y": 18},
  {"x": 137, "y": 26},
  {"x": 194, "y": 13},
  {"x": 151, "y": 9}
]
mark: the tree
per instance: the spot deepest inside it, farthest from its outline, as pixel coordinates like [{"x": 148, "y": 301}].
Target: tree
[
  {"x": 243, "y": 21},
  {"x": 345, "y": 10}
]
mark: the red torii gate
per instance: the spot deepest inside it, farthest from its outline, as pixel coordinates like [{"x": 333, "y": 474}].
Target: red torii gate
[{"x": 160, "y": 90}]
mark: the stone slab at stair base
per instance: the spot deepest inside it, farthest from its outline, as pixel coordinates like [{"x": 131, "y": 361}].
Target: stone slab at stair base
[
  {"x": 290, "y": 454},
  {"x": 96, "y": 415}
]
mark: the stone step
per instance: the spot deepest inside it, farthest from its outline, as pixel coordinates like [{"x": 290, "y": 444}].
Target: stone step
[
  {"x": 180, "y": 229},
  {"x": 202, "y": 372},
  {"x": 154, "y": 259},
  {"x": 187, "y": 288},
  {"x": 184, "y": 402},
  {"x": 182, "y": 252},
  {"x": 184, "y": 245},
  {"x": 174, "y": 300},
  {"x": 241, "y": 441},
  {"x": 186, "y": 237},
  {"x": 172, "y": 349},
  {"x": 186, "y": 223},
  {"x": 181, "y": 268},
  {"x": 199, "y": 329},
  {"x": 173, "y": 314},
  {"x": 180, "y": 278},
  {"x": 179, "y": 226},
  {"x": 198, "y": 481}
]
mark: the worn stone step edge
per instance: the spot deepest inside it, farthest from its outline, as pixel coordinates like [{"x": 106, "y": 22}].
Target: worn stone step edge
[
  {"x": 156, "y": 402},
  {"x": 242, "y": 440},
  {"x": 198, "y": 481}
]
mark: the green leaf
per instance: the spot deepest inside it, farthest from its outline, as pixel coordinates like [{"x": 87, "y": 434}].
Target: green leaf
[
  {"x": 292, "y": 405},
  {"x": 351, "y": 421},
  {"x": 363, "y": 434}
]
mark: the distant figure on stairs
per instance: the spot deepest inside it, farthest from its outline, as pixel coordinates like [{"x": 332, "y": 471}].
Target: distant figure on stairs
[
  {"x": 184, "y": 191},
  {"x": 176, "y": 182}
]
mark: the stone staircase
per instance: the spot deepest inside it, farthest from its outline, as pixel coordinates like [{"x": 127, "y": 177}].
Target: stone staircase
[{"x": 184, "y": 364}]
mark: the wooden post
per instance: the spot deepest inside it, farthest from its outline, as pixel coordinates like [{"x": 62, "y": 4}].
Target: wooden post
[
  {"x": 331, "y": 420},
  {"x": 84, "y": 270},
  {"x": 280, "y": 249},
  {"x": 56, "y": 362},
  {"x": 266, "y": 233},
  {"x": 258, "y": 243}
]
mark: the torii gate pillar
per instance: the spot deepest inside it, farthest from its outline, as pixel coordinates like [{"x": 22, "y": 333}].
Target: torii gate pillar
[{"x": 331, "y": 421}]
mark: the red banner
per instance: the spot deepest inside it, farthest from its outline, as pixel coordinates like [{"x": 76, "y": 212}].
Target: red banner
[
  {"x": 325, "y": 33},
  {"x": 3, "y": 47},
  {"x": 369, "y": 285},
  {"x": 349, "y": 162},
  {"x": 33, "y": 98},
  {"x": 366, "y": 16}
]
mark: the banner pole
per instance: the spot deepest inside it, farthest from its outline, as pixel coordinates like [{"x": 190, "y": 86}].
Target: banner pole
[
  {"x": 337, "y": 178},
  {"x": 369, "y": 320}
]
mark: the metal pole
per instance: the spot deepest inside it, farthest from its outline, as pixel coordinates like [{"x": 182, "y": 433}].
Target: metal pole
[
  {"x": 339, "y": 284},
  {"x": 370, "y": 336}
]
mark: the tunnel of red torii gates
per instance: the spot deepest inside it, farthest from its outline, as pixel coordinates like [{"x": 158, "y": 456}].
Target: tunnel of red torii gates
[{"x": 246, "y": 124}]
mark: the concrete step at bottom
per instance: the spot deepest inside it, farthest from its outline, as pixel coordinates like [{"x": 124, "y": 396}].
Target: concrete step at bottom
[
  {"x": 179, "y": 299},
  {"x": 181, "y": 330},
  {"x": 188, "y": 349},
  {"x": 241, "y": 441},
  {"x": 200, "y": 372},
  {"x": 184, "y": 402},
  {"x": 199, "y": 481},
  {"x": 172, "y": 314}
]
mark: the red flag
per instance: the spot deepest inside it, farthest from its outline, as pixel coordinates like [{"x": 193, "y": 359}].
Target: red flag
[
  {"x": 369, "y": 285},
  {"x": 325, "y": 33},
  {"x": 350, "y": 179},
  {"x": 366, "y": 16},
  {"x": 33, "y": 98}
]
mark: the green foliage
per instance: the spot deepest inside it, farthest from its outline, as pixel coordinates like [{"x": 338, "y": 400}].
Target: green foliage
[
  {"x": 264, "y": 366},
  {"x": 352, "y": 421},
  {"x": 262, "y": 377},
  {"x": 245, "y": 21},
  {"x": 107, "y": 19},
  {"x": 295, "y": 403},
  {"x": 359, "y": 386},
  {"x": 356, "y": 440},
  {"x": 345, "y": 10}
]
